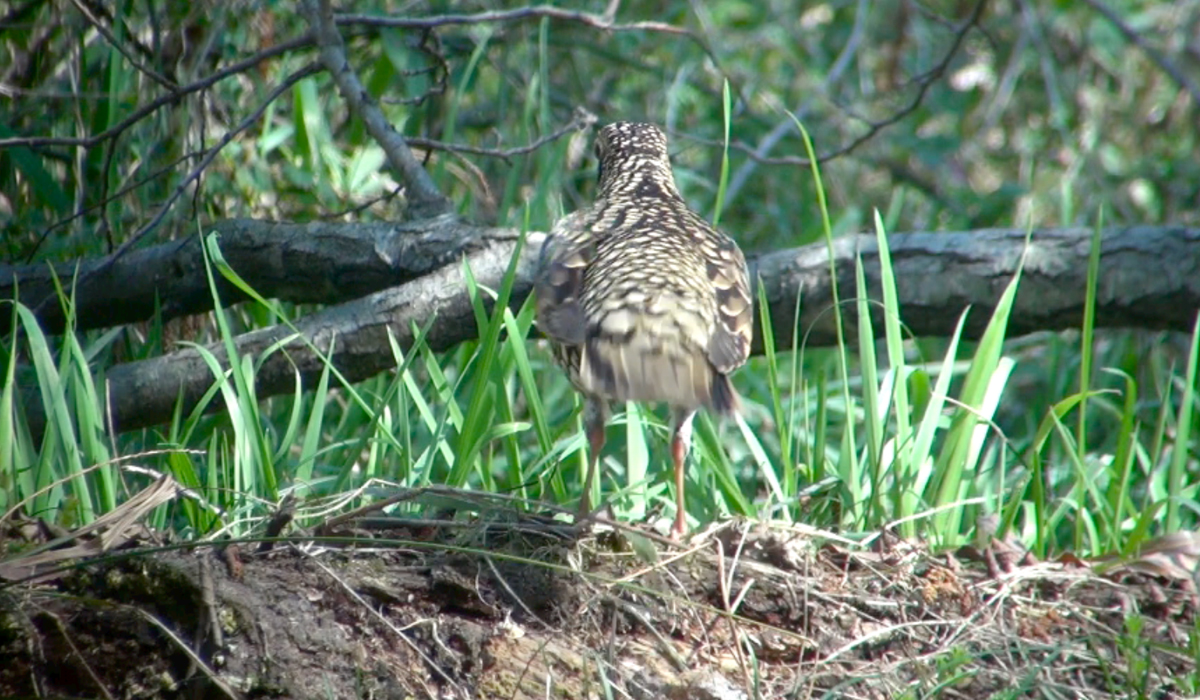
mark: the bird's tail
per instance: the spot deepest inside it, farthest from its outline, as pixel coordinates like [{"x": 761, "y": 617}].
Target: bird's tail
[
  {"x": 638, "y": 369},
  {"x": 725, "y": 399}
]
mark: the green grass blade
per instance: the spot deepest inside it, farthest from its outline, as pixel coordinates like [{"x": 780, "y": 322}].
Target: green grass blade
[
  {"x": 1086, "y": 341},
  {"x": 851, "y": 480},
  {"x": 60, "y": 456},
  {"x": 723, "y": 182},
  {"x": 41, "y": 182},
  {"x": 872, "y": 409},
  {"x": 637, "y": 460},
  {"x": 16, "y": 482},
  {"x": 476, "y": 417},
  {"x": 1184, "y": 427},
  {"x": 784, "y": 422},
  {"x": 1120, "y": 505},
  {"x": 979, "y": 395},
  {"x": 256, "y": 474},
  {"x": 313, "y": 427}
]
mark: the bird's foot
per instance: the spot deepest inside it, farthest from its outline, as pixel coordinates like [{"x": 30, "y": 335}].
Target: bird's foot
[
  {"x": 679, "y": 529},
  {"x": 585, "y": 517}
]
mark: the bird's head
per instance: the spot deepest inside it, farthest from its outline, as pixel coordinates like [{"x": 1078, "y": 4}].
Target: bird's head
[{"x": 634, "y": 162}]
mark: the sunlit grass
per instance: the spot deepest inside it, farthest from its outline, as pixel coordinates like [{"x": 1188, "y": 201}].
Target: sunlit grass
[
  {"x": 1081, "y": 442},
  {"x": 904, "y": 441},
  {"x": 895, "y": 432}
]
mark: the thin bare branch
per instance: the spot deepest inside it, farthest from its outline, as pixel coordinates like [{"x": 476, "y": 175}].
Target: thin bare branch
[
  {"x": 523, "y": 13},
  {"x": 786, "y": 126},
  {"x": 159, "y": 102},
  {"x": 120, "y": 47},
  {"x": 581, "y": 120},
  {"x": 924, "y": 82},
  {"x": 1152, "y": 53},
  {"x": 425, "y": 200},
  {"x": 606, "y": 21},
  {"x": 194, "y": 175}
]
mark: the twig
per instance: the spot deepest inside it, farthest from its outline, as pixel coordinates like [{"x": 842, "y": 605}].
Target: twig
[
  {"x": 352, "y": 593},
  {"x": 425, "y": 200},
  {"x": 190, "y": 653},
  {"x": 582, "y": 120},
  {"x": 284, "y": 86},
  {"x": 70, "y": 642},
  {"x": 153, "y": 106},
  {"x": 116, "y": 130},
  {"x": 1152, "y": 53},
  {"x": 606, "y": 21},
  {"x": 673, "y": 657},
  {"x": 120, "y": 47},
  {"x": 102, "y": 203},
  {"x": 513, "y": 594},
  {"x": 785, "y": 126},
  {"x": 724, "y": 584},
  {"x": 536, "y": 12},
  {"x": 925, "y": 81}
]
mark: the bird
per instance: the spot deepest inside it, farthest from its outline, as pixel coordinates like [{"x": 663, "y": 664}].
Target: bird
[{"x": 643, "y": 300}]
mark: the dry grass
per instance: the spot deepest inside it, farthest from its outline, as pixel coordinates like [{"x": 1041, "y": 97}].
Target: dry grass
[{"x": 522, "y": 609}]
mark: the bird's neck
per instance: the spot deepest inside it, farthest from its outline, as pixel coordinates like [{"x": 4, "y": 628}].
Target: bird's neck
[{"x": 646, "y": 182}]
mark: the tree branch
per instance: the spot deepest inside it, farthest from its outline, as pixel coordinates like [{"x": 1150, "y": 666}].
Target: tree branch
[
  {"x": 320, "y": 263},
  {"x": 106, "y": 265},
  {"x": 1152, "y": 53},
  {"x": 159, "y": 102},
  {"x": 425, "y": 200},
  {"x": 1149, "y": 278},
  {"x": 606, "y": 21}
]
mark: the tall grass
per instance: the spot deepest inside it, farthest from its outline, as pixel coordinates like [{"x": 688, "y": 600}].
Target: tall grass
[
  {"x": 1084, "y": 442},
  {"x": 903, "y": 442}
]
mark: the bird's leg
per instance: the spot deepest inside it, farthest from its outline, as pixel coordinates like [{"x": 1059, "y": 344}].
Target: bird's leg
[
  {"x": 681, "y": 440},
  {"x": 595, "y": 420}
]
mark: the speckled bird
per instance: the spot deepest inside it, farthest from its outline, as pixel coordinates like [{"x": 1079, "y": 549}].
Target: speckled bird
[{"x": 643, "y": 300}]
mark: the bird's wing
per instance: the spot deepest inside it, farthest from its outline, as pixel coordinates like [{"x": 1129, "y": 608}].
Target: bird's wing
[
  {"x": 565, "y": 255},
  {"x": 729, "y": 345}
]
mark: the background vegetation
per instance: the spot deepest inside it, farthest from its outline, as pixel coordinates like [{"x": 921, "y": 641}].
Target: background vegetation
[{"x": 132, "y": 123}]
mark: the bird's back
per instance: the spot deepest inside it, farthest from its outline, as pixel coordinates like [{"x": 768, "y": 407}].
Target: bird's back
[{"x": 643, "y": 299}]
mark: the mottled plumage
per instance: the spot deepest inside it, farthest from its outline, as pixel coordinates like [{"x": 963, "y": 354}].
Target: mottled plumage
[{"x": 642, "y": 299}]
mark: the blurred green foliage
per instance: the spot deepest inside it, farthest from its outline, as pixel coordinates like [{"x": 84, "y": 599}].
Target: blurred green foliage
[{"x": 1038, "y": 113}]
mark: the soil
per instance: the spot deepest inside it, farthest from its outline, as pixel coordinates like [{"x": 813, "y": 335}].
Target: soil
[{"x": 528, "y": 608}]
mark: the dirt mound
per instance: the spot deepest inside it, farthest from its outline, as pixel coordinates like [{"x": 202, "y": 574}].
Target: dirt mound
[{"x": 526, "y": 609}]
